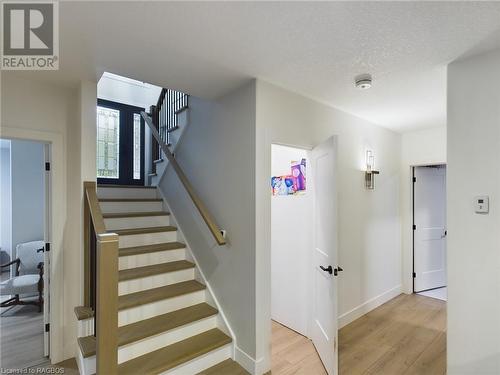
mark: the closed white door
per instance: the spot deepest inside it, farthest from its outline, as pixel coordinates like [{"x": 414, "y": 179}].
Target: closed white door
[
  {"x": 324, "y": 294},
  {"x": 429, "y": 228}
]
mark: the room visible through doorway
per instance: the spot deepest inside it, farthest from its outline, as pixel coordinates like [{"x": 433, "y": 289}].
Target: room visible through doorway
[{"x": 24, "y": 240}]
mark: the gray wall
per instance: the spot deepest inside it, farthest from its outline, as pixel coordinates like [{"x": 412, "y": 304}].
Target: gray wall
[
  {"x": 473, "y": 240},
  {"x": 5, "y": 203},
  {"x": 28, "y": 196},
  {"x": 217, "y": 153}
]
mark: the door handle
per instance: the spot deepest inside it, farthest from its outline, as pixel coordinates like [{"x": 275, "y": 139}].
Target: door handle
[
  {"x": 42, "y": 250},
  {"x": 337, "y": 270},
  {"x": 331, "y": 270},
  {"x": 328, "y": 269}
]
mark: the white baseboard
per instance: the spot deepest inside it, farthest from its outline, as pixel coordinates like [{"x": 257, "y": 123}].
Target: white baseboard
[
  {"x": 368, "y": 306},
  {"x": 254, "y": 367}
]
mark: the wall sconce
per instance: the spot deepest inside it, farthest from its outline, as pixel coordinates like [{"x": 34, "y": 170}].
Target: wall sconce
[{"x": 370, "y": 171}]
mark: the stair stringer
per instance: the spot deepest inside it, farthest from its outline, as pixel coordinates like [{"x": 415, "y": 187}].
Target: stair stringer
[{"x": 222, "y": 321}]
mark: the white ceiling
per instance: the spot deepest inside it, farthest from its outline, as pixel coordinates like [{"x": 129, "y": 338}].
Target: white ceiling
[
  {"x": 127, "y": 91},
  {"x": 312, "y": 48}
]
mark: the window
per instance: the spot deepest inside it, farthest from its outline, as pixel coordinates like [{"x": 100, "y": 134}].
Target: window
[
  {"x": 137, "y": 146},
  {"x": 108, "y": 142}
]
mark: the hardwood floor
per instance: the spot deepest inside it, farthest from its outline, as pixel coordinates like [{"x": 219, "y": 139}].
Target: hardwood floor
[
  {"x": 21, "y": 337},
  {"x": 406, "y": 335},
  {"x": 293, "y": 353}
]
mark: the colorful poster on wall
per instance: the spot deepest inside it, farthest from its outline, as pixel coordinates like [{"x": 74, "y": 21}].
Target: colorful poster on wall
[{"x": 292, "y": 184}]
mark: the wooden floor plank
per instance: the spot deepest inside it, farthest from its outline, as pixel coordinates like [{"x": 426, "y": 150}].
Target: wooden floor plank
[
  {"x": 393, "y": 338},
  {"x": 406, "y": 335}
]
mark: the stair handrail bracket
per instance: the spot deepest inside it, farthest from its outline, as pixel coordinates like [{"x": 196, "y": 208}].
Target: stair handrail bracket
[
  {"x": 101, "y": 281},
  {"x": 205, "y": 214}
]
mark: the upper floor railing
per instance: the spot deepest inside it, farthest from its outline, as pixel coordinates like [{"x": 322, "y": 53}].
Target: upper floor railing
[{"x": 164, "y": 117}]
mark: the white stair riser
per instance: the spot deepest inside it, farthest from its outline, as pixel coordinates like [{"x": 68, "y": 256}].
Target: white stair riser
[
  {"x": 133, "y": 240},
  {"x": 86, "y": 366},
  {"x": 202, "y": 362},
  {"x": 149, "y": 310},
  {"x": 149, "y": 344},
  {"x": 85, "y": 327},
  {"x": 126, "y": 193},
  {"x": 149, "y": 259},
  {"x": 136, "y": 222},
  {"x": 155, "y": 281},
  {"x": 124, "y": 207}
]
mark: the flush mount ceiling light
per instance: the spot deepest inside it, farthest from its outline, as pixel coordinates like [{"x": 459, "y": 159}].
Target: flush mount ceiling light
[{"x": 363, "y": 81}]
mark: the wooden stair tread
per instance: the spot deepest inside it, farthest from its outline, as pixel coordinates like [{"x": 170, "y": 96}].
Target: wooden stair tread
[
  {"x": 227, "y": 367},
  {"x": 127, "y": 251},
  {"x": 128, "y": 232},
  {"x": 125, "y": 186},
  {"x": 176, "y": 354},
  {"x": 153, "y": 326},
  {"x": 155, "y": 269},
  {"x": 83, "y": 312},
  {"x": 117, "y": 215},
  {"x": 127, "y": 301},
  {"x": 130, "y": 200}
]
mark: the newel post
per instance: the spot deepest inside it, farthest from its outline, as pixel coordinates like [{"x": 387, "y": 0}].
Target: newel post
[{"x": 107, "y": 304}]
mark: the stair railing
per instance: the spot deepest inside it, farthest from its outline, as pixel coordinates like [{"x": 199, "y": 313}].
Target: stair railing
[
  {"x": 101, "y": 281},
  {"x": 205, "y": 214},
  {"x": 164, "y": 116}
]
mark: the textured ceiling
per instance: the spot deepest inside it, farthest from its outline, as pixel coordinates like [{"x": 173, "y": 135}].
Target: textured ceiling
[{"x": 314, "y": 49}]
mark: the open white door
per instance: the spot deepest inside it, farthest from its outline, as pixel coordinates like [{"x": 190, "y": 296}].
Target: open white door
[
  {"x": 46, "y": 257},
  {"x": 324, "y": 319},
  {"x": 429, "y": 233}
]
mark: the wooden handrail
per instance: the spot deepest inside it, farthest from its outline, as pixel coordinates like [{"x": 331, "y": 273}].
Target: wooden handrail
[
  {"x": 94, "y": 208},
  {"x": 214, "y": 229},
  {"x": 101, "y": 281}
]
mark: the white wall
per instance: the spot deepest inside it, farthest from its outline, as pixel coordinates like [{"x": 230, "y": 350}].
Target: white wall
[
  {"x": 369, "y": 221},
  {"x": 217, "y": 153},
  {"x": 421, "y": 147},
  {"x": 474, "y": 240},
  {"x": 5, "y": 202},
  {"x": 34, "y": 109},
  {"x": 291, "y": 239},
  {"x": 28, "y": 192}
]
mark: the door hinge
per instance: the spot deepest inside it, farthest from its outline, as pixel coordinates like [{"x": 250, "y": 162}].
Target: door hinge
[
  {"x": 414, "y": 179},
  {"x": 47, "y": 327},
  {"x": 47, "y": 246},
  {"x": 414, "y": 227},
  {"x": 414, "y": 274},
  {"x": 47, "y": 166}
]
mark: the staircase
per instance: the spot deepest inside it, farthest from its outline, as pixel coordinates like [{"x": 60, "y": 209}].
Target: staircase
[{"x": 167, "y": 319}]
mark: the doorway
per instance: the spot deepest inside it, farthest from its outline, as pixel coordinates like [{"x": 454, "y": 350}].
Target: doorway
[
  {"x": 304, "y": 258},
  {"x": 429, "y": 231},
  {"x": 25, "y": 244},
  {"x": 120, "y": 144}
]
